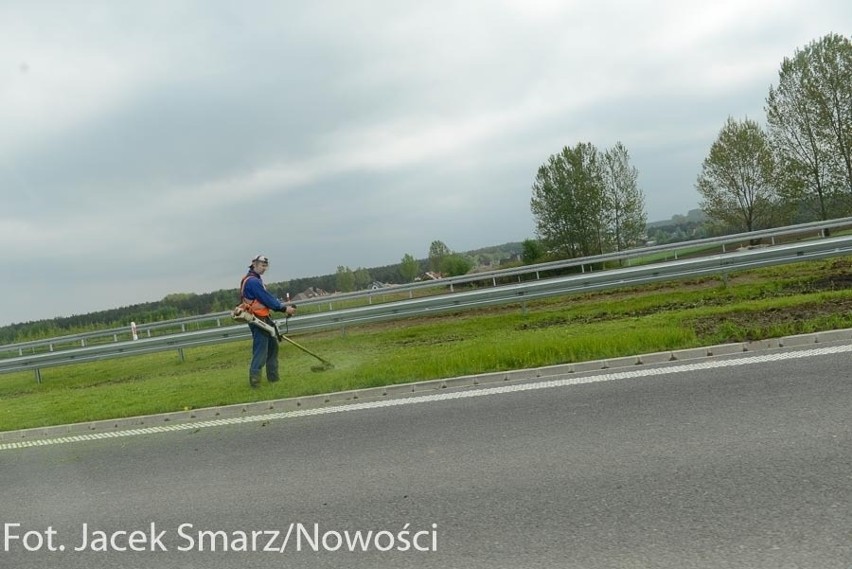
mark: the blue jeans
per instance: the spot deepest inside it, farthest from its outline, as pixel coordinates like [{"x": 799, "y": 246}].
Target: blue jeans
[{"x": 264, "y": 352}]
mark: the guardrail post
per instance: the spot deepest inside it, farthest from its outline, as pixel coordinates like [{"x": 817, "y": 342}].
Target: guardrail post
[
  {"x": 38, "y": 375},
  {"x": 181, "y": 355}
]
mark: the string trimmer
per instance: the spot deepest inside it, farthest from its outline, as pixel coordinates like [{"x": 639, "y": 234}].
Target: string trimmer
[{"x": 245, "y": 316}]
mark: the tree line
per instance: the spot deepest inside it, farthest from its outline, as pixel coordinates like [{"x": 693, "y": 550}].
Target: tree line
[
  {"x": 441, "y": 259},
  {"x": 798, "y": 167}
]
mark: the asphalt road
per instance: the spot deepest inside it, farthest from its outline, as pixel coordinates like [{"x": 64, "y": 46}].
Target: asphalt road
[{"x": 746, "y": 463}]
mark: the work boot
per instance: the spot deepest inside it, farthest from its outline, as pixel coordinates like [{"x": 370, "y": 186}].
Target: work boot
[
  {"x": 254, "y": 380},
  {"x": 272, "y": 378}
]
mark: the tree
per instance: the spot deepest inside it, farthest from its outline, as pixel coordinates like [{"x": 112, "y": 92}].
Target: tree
[
  {"x": 568, "y": 202},
  {"x": 362, "y": 278},
  {"x": 532, "y": 251},
  {"x": 455, "y": 264},
  {"x": 625, "y": 203},
  {"x": 809, "y": 117},
  {"x": 736, "y": 179},
  {"x": 437, "y": 251},
  {"x": 409, "y": 268},
  {"x": 345, "y": 281},
  {"x": 831, "y": 59}
]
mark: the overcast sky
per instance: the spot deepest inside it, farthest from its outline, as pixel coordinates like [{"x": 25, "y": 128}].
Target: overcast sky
[{"x": 153, "y": 147}]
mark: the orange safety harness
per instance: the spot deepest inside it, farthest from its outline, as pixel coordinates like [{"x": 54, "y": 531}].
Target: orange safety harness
[{"x": 254, "y": 306}]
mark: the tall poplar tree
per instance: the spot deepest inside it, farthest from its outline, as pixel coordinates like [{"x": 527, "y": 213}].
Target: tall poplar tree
[{"x": 625, "y": 202}]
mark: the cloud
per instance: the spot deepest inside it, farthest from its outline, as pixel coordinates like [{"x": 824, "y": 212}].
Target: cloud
[{"x": 153, "y": 147}]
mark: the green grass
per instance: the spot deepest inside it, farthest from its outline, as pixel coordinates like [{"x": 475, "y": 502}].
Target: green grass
[{"x": 768, "y": 303}]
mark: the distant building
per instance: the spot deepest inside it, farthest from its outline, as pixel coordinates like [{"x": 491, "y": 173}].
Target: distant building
[{"x": 310, "y": 292}]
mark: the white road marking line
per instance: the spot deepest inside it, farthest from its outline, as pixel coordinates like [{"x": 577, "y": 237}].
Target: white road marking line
[{"x": 481, "y": 392}]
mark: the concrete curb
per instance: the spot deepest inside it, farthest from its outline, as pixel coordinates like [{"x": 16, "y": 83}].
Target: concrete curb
[{"x": 407, "y": 389}]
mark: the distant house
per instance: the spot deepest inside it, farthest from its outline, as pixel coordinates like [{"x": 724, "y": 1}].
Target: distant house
[{"x": 310, "y": 292}]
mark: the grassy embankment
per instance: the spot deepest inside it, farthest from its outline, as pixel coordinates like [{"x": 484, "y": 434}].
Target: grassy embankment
[{"x": 755, "y": 305}]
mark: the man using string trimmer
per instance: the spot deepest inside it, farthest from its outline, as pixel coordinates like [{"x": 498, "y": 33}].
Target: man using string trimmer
[{"x": 255, "y": 306}]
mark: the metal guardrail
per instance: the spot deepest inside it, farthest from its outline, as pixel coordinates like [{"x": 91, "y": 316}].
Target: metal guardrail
[
  {"x": 515, "y": 293},
  {"x": 724, "y": 243},
  {"x": 122, "y": 333}
]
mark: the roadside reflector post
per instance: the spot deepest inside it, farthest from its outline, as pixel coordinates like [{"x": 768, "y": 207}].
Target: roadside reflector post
[{"x": 133, "y": 331}]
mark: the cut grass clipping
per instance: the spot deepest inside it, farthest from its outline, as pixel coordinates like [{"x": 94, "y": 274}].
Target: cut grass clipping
[{"x": 773, "y": 302}]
